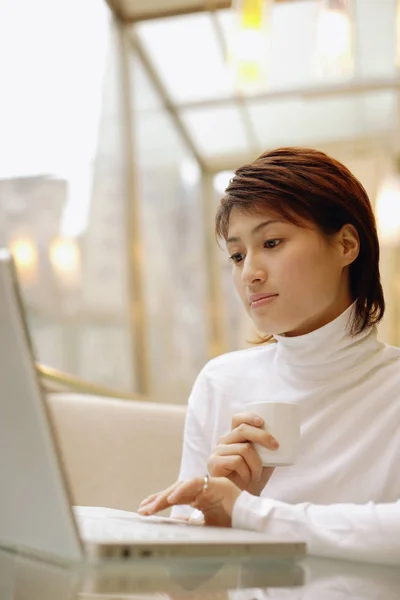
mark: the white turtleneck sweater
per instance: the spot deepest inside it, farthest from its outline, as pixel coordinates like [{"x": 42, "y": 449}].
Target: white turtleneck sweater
[{"x": 343, "y": 494}]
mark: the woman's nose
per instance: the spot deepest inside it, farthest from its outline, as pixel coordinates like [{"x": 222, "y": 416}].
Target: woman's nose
[{"x": 253, "y": 272}]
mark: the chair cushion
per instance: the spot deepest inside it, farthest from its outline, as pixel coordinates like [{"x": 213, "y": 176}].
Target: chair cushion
[{"x": 116, "y": 452}]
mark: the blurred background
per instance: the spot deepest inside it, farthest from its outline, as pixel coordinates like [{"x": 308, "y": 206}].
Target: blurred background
[{"x": 121, "y": 123}]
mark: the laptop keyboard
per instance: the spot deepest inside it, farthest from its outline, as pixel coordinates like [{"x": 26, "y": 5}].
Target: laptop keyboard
[
  {"x": 97, "y": 529},
  {"x": 105, "y": 525},
  {"x": 122, "y": 530}
]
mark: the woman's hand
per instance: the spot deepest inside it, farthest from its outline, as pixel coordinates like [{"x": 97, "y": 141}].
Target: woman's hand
[
  {"x": 236, "y": 458},
  {"x": 216, "y": 502}
]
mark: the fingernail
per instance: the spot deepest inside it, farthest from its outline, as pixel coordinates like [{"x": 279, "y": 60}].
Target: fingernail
[
  {"x": 258, "y": 421},
  {"x": 274, "y": 444},
  {"x": 149, "y": 508}
]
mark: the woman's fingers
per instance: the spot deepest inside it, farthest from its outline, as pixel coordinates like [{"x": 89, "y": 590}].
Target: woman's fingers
[
  {"x": 247, "y": 463},
  {"x": 149, "y": 499},
  {"x": 248, "y": 454},
  {"x": 187, "y": 492},
  {"x": 159, "y": 503},
  {"x": 156, "y": 495},
  {"x": 182, "y": 492},
  {"x": 247, "y": 418},
  {"x": 159, "y": 497},
  {"x": 235, "y": 456},
  {"x": 249, "y": 433},
  {"x": 227, "y": 465},
  {"x": 216, "y": 502}
]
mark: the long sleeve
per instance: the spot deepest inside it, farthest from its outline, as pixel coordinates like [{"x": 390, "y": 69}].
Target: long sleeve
[
  {"x": 196, "y": 440},
  {"x": 368, "y": 532}
]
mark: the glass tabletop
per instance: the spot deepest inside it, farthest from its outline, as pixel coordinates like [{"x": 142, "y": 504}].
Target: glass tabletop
[{"x": 27, "y": 578}]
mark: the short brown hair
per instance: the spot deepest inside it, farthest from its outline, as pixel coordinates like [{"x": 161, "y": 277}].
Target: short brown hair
[{"x": 301, "y": 184}]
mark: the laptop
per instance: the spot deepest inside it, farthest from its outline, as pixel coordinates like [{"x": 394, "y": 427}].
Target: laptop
[{"x": 36, "y": 515}]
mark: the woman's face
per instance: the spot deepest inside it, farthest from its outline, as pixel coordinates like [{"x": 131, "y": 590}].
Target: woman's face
[{"x": 290, "y": 279}]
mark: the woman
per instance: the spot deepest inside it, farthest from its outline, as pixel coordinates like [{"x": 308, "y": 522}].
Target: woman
[{"x": 301, "y": 235}]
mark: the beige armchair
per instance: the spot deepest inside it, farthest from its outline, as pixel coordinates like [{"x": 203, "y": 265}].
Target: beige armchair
[{"x": 116, "y": 452}]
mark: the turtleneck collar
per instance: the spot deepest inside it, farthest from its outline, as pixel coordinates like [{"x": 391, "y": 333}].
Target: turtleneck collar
[{"x": 330, "y": 348}]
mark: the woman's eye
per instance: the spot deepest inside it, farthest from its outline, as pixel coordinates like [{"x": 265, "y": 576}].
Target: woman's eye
[
  {"x": 272, "y": 243},
  {"x": 236, "y": 258}
]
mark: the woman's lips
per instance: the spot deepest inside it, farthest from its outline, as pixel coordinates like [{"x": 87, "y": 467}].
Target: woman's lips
[{"x": 263, "y": 300}]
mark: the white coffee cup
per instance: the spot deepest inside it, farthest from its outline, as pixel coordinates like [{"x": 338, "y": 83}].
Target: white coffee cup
[{"x": 282, "y": 421}]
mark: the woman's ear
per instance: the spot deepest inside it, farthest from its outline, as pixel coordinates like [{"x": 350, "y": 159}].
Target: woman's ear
[{"x": 348, "y": 243}]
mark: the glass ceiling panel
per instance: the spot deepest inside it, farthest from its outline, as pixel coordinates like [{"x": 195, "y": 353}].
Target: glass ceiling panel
[
  {"x": 375, "y": 47},
  {"x": 292, "y": 42},
  {"x": 155, "y": 136},
  {"x": 301, "y": 122},
  {"x": 157, "y": 139},
  {"x": 191, "y": 61},
  {"x": 186, "y": 54},
  {"x": 292, "y": 59},
  {"x": 216, "y": 131}
]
